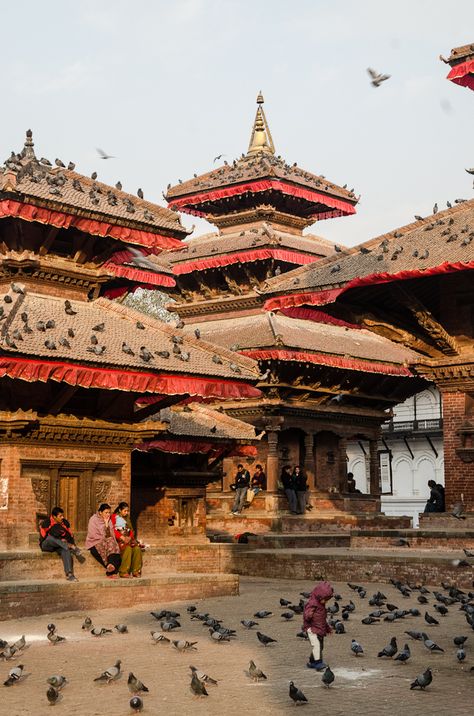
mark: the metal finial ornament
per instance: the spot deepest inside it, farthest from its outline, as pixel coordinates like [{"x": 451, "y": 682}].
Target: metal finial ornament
[{"x": 261, "y": 139}]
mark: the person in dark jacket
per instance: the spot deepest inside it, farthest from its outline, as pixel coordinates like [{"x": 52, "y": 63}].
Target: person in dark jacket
[
  {"x": 56, "y": 536},
  {"x": 441, "y": 491},
  {"x": 286, "y": 480},
  {"x": 315, "y": 623},
  {"x": 435, "y": 500},
  {"x": 300, "y": 486},
  {"x": 242, "y": 483}
]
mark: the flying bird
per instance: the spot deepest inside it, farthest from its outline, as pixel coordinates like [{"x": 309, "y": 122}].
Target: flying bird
[
  {"x": 376, "y": 77},
  {"x": 219, "y": 156},
  {"x": 104, "y": 155}
]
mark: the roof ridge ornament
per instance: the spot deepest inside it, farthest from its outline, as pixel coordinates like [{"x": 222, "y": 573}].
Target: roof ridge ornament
[
  {"x": 28, "y": 151},
  {"x": 261, "y": 139}
]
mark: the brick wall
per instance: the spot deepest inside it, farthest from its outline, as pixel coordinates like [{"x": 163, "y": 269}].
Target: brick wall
[{"x": 459, "y": 475}]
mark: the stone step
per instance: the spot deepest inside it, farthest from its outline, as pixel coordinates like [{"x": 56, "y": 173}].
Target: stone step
[
  {"x": 444, "y": 520},
  {"x": 34, "y": 564},
  {"x": 445, "y": 539},
  {"x": 288, "y": 541},
  {"x": 34, "y": 597},
  {"x": 354, "y": 565}
]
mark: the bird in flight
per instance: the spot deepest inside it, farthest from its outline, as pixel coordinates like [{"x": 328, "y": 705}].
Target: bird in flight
[
  {"x": 104, "y": 155},
  {"x": 377, "y": 77},
  {"x": 219, "y": 156}
]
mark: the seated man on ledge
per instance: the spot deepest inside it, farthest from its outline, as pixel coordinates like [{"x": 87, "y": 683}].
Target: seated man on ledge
[{"x": 56, "y": 536}]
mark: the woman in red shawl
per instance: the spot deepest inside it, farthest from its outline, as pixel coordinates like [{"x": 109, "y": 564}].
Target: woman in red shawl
[
  {"x": 101, "y": 542},
  {"x": 315, "y": 623}
]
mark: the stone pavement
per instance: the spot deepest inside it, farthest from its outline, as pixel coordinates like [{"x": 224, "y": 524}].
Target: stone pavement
[{"x": 365, "y": 684}]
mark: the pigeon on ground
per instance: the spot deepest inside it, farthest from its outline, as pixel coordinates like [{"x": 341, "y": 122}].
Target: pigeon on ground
[
  {"x": 264, "y": 639},
  {"x": 170, "y": 625},
  {"x": 389, "y": 650},
  {"x": 430, "y": 620},
  {"x": 423, "y": 680},
  {"x": 430, "y": 644},
  {"x": 248, "y": 623},
  {"x": 217, "y": 636},
  {"x": 14, "y": 675},
  {"x": 110, "y": 674},
  {"x": 136, "y": 704},
  {"x": 460, "y": 640},
  {"x": 287, "y": 602},
  {"x": 460, "y": 655},
  {"x": 404, "y": 655},
  {"x": 191, "y": 609},
  {"x": 468, "y": 552},
  {"x": 339, "y": 628},
  {"x": 458, "y": 509},
  {"x": 52, "y": 695},
  {"x": 121, "y": 628},
  {"x": 302, "y": 635},
  {"x": 54, "y": 638},
  {"x": 296, "y": 695},
  {"x": 135, "y": 686},
  {"x": 205, "y": 678},
  {"x": 369, "y": 620},
  {"x": 356, "y": 648},
  {"x": 441, "y": 609},
  {"x": 197, "y": 687},
  {"x": 422, "y": 599},
  {"x": 255, "y": 673},
  {"x": 262, "y": 614},
  {"x": 58, "y": 681},
  {"x": 287, "y": 616},
  {"x": 417, "y": 635},
  {"x": 159, "y": 638},
  {"x": 100, "y": 632},
  {"x": 182, "y": 645},
  {"x": 20, "y": 644},
  {"x": 328, "y": 677}
]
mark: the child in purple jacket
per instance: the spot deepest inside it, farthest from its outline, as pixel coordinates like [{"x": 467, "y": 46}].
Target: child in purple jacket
[{"x": 315, "y": 623}]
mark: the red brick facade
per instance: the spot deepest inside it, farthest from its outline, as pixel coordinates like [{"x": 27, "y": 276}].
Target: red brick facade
[{"x": 459, "y": 474}]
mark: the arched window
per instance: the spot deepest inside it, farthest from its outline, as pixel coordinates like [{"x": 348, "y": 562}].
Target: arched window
[{"x": 402, "y": 477}]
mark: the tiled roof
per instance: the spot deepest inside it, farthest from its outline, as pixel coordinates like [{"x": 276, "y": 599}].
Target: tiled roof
[
  {"x": 447, "y": 236},
  {"x": 460, "y": 53},
  {"x": 110, "y": 324},
  {"x": 244, "y": 240},
  {"x": 268, "y": 330},
  {"x": 255, "y": 167},
  {"x": 198, "y": 420},
  {"x": 65, "y": 189}
]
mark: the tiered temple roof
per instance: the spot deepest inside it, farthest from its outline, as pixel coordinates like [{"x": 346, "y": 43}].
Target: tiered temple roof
[{"x": 461, "y": 60}]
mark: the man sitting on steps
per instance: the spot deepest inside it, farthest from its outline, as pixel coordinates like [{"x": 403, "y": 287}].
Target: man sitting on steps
[{"x": 56, "y": 536}]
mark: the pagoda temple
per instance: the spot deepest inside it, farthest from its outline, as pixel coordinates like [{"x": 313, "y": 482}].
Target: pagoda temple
[
  {"x": 86, "y": 380},
  {"x": 461, "y": 61},
  {"x": 325, "y": 379},
  {"x": 412, "y": 285}
]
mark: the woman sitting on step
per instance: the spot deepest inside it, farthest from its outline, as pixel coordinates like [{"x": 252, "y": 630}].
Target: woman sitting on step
[
  {"x": 130, "y": 549},
  {"x": 101, "y": 542}
]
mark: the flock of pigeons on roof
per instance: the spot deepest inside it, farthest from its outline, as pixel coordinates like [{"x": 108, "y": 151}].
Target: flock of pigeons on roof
[{"x": 343, "y": 616}]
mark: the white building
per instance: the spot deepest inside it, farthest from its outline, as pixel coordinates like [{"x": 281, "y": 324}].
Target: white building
[{"x": 410, "y": 454}]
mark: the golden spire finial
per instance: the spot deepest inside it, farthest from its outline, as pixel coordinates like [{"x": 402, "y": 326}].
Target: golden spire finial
[{"x": 261, "y": 138}]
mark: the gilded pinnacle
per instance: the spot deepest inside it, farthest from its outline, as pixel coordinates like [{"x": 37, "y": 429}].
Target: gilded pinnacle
[{"x": 261, "y": 139}]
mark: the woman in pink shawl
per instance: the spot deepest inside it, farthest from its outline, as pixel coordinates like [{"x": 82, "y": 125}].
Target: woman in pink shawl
[
  {"x": 315, "y": 623},
  {"x": 101, "y": 542}
]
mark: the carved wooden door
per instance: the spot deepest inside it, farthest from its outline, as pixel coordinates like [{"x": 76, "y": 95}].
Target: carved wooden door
[{"x": 68, "y": 498}]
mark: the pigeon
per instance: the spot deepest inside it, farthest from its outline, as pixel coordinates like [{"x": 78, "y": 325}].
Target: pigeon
[
  {"x": 54, "y": 638},
  {"x": 121, "y": 628},
  {"x": 262, "y": 614},
  {"x": 87, "y": 624},
  {"x": 58, "y": 681},
  {"x": 197, "y": 687},
  {"x": 460, "y": 562},
  {"x": 404, "y": 655},
  {"x": 104, "y": 155},
  {"x": 16, "y": 288},
  {"x": 145, "y": 354},
  {"x": 369, "y": 620},
  {"x": 205, "y": 678},
  {"x": 401, "y": 542},
  {"x": 287, "y": 616},
  {"x": 248, "y": 623},
  {"x": 140, "y": 194},
  {"x": 356, "y": 648},
  {"x": 140, "y": 325},
  {"x": 135, "y": 686},
  {"x": 296, "y": 695},
  {"x": 335, "y": 268},
  {"x": 376, "y": 77},
  {"x": 339, "y": 628},
  {"x": 302, "y": 635},
  {"x": 430, "y": 644},
  {"x": 430, "y": 620},
  {"x": 110, "y": 674},
  {"x": 94, "y": 176},
  {"x": 255, "y": 673},
  {"x": 14, "y": 675},
  {"x": 217, "y": 636},
  {"x": 460, "y": 655},
  {"x": 264, "y": 639},
  {"x": 99, "y": 328},
  {"x": 127, "y": 350},
  {"x": 457, "y": 512},
  {"x": 460, "y": 640},
  {"x": 435, "y": 209},
  {"x": 328, "y": 677},
  {"x": 197, "y": 333},
  {"x": 100, "y": 632},
  {"x": 441, "y": 609},
  {"x": 423, "y": 680},
  {"x": 136, "y": 704},
  {"x": 20, "y": 644},
  {"x": 422, "y": 599},
  {"x": 389, "y": 650},
  {"x": 52, "y": 695},
  {"x": 183, "y": 645},
  {"x": 159, "y": 638}
]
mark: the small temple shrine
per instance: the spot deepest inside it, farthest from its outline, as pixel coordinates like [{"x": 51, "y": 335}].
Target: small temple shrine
[
  {"x": 85, "y": 380},
  {"x": 461, "y": 61},
  {"x": 325, "y": 378}
]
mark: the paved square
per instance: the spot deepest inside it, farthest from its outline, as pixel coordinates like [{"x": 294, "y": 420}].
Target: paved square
[{"x": 367, "y": 684}]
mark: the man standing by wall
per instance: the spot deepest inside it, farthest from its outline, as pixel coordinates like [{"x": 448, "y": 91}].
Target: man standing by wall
[{"x": 242, "y": 483}]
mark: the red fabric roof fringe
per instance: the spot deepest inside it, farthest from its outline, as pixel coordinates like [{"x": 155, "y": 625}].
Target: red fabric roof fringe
[
  {"x": 61, "y": 220},
  {"x": 463, "y": 74},
  {"x": 126, "y": 380},
  {"x": 325, "y": 359},
  {"x": 147, "y": 277},
  {"x": 292, "y": 257},
  {"x": 343, "y": 208},
  {"x": 322, "y": 298},
  {"x": 309, "y": 314}
]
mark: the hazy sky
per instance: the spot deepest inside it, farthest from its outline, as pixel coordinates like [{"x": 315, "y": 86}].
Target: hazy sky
[{"x": 165, "y": 86}]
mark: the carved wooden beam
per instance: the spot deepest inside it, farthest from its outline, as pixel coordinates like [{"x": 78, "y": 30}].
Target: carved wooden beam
[
  {"x": 48, "y": 242},
  {"x": 445, "y": 342},
  {"x": 148, "y": 410}
]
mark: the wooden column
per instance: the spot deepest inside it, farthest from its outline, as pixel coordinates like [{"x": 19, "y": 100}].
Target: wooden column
[
  {"x": 309, "y": 466},
  {"x": 273, "y": 466},
  {"x": 229, "y": 469},
  {"x": 374, "y": 468},
  {"x": 342, "y": 486}
]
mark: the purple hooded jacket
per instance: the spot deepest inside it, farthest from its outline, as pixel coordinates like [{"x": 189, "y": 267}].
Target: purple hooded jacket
[{"x": 314, "y": 615}]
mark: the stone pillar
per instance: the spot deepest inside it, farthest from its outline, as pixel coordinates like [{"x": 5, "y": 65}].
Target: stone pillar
[
  {"x": 309, "y": 466},
  {"x": 342, "y": 487},
  {"x": 229, "y": 469},
  {"x": 374, "y": 478},
  {"x": 273, "y": 467}
]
